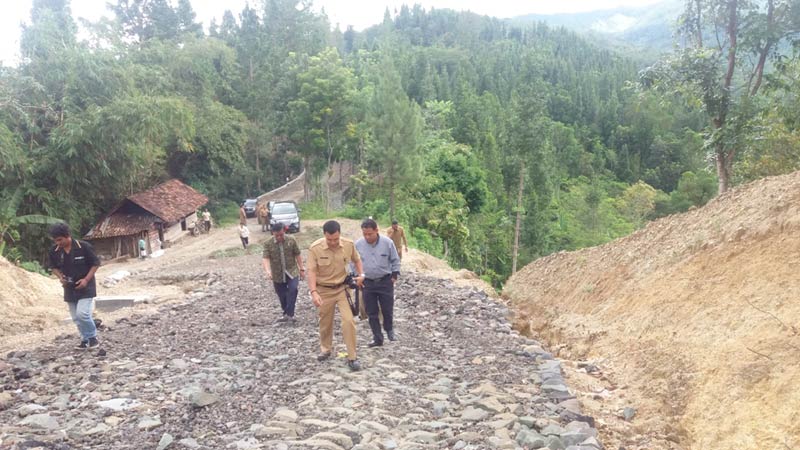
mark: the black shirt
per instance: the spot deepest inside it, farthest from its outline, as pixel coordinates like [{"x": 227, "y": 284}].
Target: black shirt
[{"x": 76, "y": 265}]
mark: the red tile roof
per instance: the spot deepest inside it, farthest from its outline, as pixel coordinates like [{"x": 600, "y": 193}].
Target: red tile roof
[
  {"x": 171, "y": 201},
  {"x": 168, "y": 202},
  {"x": 122, "y": 224}
]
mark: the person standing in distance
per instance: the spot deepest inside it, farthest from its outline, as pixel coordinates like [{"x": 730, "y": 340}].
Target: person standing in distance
[
  {"x": 382, "y": 268},
  {"x": 398, "y": 235},
  {"x": 327, "y": 269},
  {"x": 207, "y": 220},
  {"x": 75, "y": 263},
  {"x": 283, "y": 265}
]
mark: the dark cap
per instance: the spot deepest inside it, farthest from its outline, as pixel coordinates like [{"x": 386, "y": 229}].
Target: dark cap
[{"x": 394, "y": 222}]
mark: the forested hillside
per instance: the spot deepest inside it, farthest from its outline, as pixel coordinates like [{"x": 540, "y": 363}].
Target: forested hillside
[{"x": 463, "y": 127}]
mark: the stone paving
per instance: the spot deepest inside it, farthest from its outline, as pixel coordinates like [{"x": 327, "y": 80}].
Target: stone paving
[{"x": 219, "y": 372}]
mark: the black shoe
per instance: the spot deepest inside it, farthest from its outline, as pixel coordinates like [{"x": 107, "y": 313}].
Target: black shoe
[
  {"x": 323, "y": 356},
  {"x": 285, "y": 318},
  {"x": 374, "y": 344},
  {"x": 83, "y": 345},
  {"x": 93, "y": 342},
  {"x": 391, "y": 336},
  {"x": 354, "y": 365}
]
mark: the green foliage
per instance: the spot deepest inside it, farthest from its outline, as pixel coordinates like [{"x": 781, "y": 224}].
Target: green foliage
[
  {"x": 35, "y": 267},
  {"x": 224, "y": 213},
  {"x": 441, "y": 114},
  {"x": 313, "y": 210}
]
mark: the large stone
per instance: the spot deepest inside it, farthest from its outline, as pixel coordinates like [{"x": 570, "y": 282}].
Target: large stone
[
  {"x": 490, "y": 404},
  {"x": 340, "y": 439},
  {"x": 530, "y": 439},
  {"x": 6, "y": 400},
  {"x": 422, "y": 437},
  {"x": 100, "y": 428},
  {"x": 285, "y": 415},
  {"x": 189, "y": 443},
  {"x": 42, "y": 421},
  {"x": 165, "y": 441},
  {"x": 120, "y": 404},
  {"x": 201, "y": 399},
  {"x": 148, "y": 423},
  {"x": 27, "y": 410},
  {"x": 474, "y": 414}
]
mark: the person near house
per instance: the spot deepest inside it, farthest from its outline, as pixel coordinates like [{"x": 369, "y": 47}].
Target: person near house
[
  {"x": 244, "y": 235},
  {"x": 207, "y": 220},
  {"x": 283, "y": 264},
  {"x": 382, "y": 268},
  {"x": 142, "y": 249},
  {"x": 74, "y": 262},
  {"x": 328, "y": 259},
  {"x": 398, "y": 235},
  {"x": 263, "y": 217}
]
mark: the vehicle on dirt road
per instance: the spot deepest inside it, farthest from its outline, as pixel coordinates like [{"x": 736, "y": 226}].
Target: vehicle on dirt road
[
  {"x": 286, "y": 213},
  {"x": 250, "y": 207}
]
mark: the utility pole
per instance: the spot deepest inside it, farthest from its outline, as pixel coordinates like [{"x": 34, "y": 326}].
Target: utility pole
[{"x": 519, "y": 218}]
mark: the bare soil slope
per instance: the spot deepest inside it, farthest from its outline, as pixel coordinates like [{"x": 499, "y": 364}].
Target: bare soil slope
[
  {"x": 693, "y": 321},
  {"x": 27, "y": 300}
]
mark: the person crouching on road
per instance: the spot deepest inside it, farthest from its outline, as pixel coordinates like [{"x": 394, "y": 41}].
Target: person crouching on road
[
  {"x": 283, "y": 264},
  {"x": 327, "y": 270},
  {"x": 382, "y": 268},
  {"x": 75, "y": 263}
]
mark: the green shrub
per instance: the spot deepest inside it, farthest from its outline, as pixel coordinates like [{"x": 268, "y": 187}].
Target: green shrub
[
  {"x": 35, "y": 267},
  {"x": 224, "y": 212}
]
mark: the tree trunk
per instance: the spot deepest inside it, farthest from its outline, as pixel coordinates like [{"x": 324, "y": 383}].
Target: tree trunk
[
  {"x": 446, "y": 249},
  {"x": 724, "y": 168},
  {"x": 518, "y": 225},
  {"x": 306, "y": 193},
  {"x": 258, "y": 172},
  {"x": 330, "y": 169}
]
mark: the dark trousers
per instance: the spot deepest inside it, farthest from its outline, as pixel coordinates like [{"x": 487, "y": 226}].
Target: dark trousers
[
  {"x": 379, "y": 296},
  {"x": 245, "y": 242},
  {"x": 287, "y": 294}
]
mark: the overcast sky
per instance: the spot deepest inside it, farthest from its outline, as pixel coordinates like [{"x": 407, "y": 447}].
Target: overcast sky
[{"x": 359, "y": 13}]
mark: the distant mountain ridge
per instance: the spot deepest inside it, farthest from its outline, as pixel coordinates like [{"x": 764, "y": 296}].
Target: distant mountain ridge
[{"x": 649, "y": 27}]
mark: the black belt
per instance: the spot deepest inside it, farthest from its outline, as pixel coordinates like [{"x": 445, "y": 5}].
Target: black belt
[{"x": 383, "y": 278}]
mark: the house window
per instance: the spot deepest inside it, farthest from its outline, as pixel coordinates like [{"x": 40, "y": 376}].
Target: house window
[{"x": 183, "y": 225}]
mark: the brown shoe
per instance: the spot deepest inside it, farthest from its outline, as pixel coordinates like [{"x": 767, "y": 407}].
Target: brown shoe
[{"x": 323, "y": 356}]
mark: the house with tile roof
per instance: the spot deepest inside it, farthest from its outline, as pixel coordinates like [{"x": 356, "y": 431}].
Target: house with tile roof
[{"x": 163, "y": 213}]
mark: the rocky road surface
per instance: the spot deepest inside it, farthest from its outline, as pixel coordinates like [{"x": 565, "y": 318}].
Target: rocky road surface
[{"x": 217, "y": 371}]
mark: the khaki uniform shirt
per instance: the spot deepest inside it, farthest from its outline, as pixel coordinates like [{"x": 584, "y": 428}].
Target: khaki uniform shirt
[
  {"x": 330, "y": 266},
  {"x": 398, "y": 237},
  {"x": 282, "y": 258}
]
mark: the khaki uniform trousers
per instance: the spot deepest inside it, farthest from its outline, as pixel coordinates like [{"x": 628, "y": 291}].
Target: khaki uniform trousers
[{"x": 335, "y": 297}]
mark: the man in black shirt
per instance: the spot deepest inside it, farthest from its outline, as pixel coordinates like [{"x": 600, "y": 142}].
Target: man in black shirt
[{"x": 74, "y": 263}]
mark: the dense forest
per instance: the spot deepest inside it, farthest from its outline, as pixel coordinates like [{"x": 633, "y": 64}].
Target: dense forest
[{"x": 487, "y": 139}]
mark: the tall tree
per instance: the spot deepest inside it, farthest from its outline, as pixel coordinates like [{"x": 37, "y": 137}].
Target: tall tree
[
  {"x": 396, "y": 125},
  {"x": 726, "y": 74},
  {"x": 321, "y": 111}
]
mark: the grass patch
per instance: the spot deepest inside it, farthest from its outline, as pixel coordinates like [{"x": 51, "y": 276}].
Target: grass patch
[
  {"x": 314, "y": 210},
  {"x": 234, "y": 252},
  {"x": 307, "y": 237},
  {"x": 225, "y": 213}
]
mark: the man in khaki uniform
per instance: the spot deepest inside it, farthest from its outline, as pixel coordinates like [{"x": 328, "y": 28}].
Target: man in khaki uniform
[
  {"x": 398, "y": 235},
  {"x": 327, "y": 269},
  {"x": 263, "y": 217}
]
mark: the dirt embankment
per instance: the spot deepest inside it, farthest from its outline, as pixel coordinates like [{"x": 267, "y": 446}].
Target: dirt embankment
[
  {"x": 27, "y": 300},
  {"x": 693, "y": 321}
]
